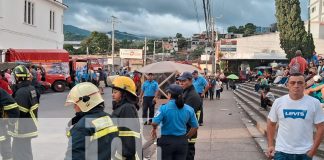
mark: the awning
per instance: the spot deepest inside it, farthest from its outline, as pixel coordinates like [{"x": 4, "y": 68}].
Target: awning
[{"x": 255, "y": 56}]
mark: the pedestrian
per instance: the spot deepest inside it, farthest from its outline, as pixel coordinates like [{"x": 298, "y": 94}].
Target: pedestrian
[
  {"x": 314, "y": 58},
  {"x": 101, "y": 80},
  {"x": 8, "y": 76},
  {"x": 212, "y": 84},
  {"x": 93, "y": 77},
  {"x": 192, "y": 99},
  {"x": 125, "y": 106},
  {"x": 137, "y": 81},
  {"x": 85, "y": 76},
  {"x": 201, "y": 86},
  {"x": 92, "y": 130},
  {"x": 148, "y": 97},
  {"x": 298, "y": 64},
  {"x": 106, "y": 76},
  {"x": 219, "y": 88},
  {"x": 267, "y": 98},
  {"x": 4, "y": 84},
  {"x": 9, "y": 112},
  {"x": 174, "y": 115},
  {"x": 25, "y": 128},
  {"x": 295, "y": 113},
  {"x": 207, "y": 92}
]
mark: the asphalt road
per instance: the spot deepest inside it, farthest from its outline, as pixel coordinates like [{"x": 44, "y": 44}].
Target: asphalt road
[{"x": 223, "y": 136}]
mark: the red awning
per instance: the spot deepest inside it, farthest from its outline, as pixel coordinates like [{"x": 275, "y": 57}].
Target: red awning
[{"x": 37, "y": 55}]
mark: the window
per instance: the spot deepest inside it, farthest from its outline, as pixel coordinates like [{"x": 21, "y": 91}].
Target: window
[
  {"x": 52, "y": 20},
  {"x": 29, "y": 12},
  {"x": 313, "y": 9}
]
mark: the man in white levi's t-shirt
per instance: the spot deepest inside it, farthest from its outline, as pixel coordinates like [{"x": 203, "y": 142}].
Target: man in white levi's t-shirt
[{"x": 296, "y": 114}]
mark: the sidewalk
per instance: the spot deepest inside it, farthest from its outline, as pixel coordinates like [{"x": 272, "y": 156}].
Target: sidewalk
[{"x": 224, "y": 135}]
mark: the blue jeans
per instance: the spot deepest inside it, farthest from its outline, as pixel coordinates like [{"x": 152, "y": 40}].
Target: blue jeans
[{"x": 286, "y": 156}]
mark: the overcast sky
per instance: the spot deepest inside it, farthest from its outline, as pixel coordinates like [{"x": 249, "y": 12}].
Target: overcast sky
[{"x": 168, "y": 17}]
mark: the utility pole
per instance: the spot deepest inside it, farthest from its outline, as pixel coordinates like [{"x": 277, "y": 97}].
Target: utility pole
[
  {"x": 154, "y": 51},
  {"x": 113, "y": 21},
  {"x": 162, "y": 50},
  {"x": 145, "y": 47},
  {"x": 213, "y": 48}
]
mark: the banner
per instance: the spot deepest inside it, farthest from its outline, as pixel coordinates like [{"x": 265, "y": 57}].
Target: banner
[{"x": 131, "y": 53}]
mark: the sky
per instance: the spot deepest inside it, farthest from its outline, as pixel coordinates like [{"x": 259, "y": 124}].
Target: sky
[{"x": 165, "y": 18}]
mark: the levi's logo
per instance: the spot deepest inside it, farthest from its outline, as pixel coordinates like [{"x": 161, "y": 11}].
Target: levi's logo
[{"x": 295, "y": 113}]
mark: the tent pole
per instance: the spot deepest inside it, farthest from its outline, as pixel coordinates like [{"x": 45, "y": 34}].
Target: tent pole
[{"x": 164, "y": 82}]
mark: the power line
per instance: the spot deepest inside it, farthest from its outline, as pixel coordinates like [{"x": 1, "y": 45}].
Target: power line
[
  {"x": 197, "y": 15},
  {"x": 206, "y": 18}
]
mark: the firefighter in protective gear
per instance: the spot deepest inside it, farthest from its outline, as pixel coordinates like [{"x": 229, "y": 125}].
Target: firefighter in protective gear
[
  {"x": 26, "y": 127},
  {"x": 9, "y": 112},
  {"x": 90, "y": 121},
  {"x": 125, "y": 113}
]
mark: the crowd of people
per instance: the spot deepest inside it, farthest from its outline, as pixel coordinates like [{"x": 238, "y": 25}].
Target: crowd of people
[{"x": 312, "y": 69}]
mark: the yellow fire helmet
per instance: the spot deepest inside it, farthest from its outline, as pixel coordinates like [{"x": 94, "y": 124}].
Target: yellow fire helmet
[
  {"x": 124, "y": 83},
  {"x": 86, "y": 95}
]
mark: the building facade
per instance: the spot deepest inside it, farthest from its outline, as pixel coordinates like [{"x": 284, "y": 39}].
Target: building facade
[
  {"x": 316, "y": 15},
  {"x": 31, "y": 24}
]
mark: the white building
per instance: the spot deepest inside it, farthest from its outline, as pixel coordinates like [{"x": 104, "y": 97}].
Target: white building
[
  {"x": 31, "y": 24},
  {"x": 316, "y": 9}
]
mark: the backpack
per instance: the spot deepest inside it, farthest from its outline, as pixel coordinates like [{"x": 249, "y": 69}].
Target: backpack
[{"x": 295, "y": 68}]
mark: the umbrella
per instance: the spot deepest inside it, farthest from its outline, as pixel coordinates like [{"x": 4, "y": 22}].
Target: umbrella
[
  {"x": 168, "y": 67},
  {"x": 232, "y": 76}
]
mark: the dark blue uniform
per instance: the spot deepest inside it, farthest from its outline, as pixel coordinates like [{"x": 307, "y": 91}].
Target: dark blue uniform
[
  {"x": 25, "y": 128},
  {"x": 8, "y": 109},
  {"x": 97, "y": 125},
  {"x": 174, "y": 121}
]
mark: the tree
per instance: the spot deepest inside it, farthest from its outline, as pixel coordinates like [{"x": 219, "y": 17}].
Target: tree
[
  {"x": 293, "y": 35},
  {"x": 69, "y": 48},
  {"x": 232, "y": 29},
  {"x": 249, "y": 29},
  {"x": 197, "y": 53},
  {"x": 179, "y": 35},
  {"x": 240, "y": 30},
  {"x": 97, "y": 43}
]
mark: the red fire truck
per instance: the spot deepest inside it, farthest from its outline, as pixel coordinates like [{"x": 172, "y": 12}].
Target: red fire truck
[{"x": 54, "y": 62}]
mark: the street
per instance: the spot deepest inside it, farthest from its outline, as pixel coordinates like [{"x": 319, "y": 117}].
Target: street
[{"x": 223, "y": 135}]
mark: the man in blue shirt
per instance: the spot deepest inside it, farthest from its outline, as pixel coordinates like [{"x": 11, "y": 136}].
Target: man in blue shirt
[
  {"x": 148, "y": 96},
  {"x": 174, "y": 116},
  {"x": 201, "y": 86}
]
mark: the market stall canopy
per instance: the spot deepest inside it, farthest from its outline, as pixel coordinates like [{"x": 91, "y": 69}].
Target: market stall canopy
[{"x": 168, "y": 67}]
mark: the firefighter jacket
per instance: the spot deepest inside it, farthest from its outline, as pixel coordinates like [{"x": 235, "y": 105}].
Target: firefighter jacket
[
  {"x": 26, "y": 97},
  {"x": 126, "y": 117},
  {"x": 90, "y": 135},
  {"x": 192, "y": 98},
  {"x": 9, "y": 112}
]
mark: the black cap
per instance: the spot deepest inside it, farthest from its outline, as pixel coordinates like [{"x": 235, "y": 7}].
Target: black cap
[
  {"x": 175, "y": 89},
  {"x": 195, "y": 71},
  {"x": 185, "y": 76}
]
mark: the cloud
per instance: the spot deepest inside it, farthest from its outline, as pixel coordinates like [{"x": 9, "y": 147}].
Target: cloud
[{"x": 168, "y": 17}]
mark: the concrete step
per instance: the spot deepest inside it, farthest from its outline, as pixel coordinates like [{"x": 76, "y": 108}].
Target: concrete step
[{"x": 277, "y": 90}]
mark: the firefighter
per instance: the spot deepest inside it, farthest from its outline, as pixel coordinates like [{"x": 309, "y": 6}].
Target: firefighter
[
  {"x": 125, "y": 112},
  {"x": 26, "y": 127},
  {"x": 174, "y": 115},
  {"x": 191, "y": 98},
  {"x": 9, "y": 112},
  {"x": 90, "y": 121}
]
